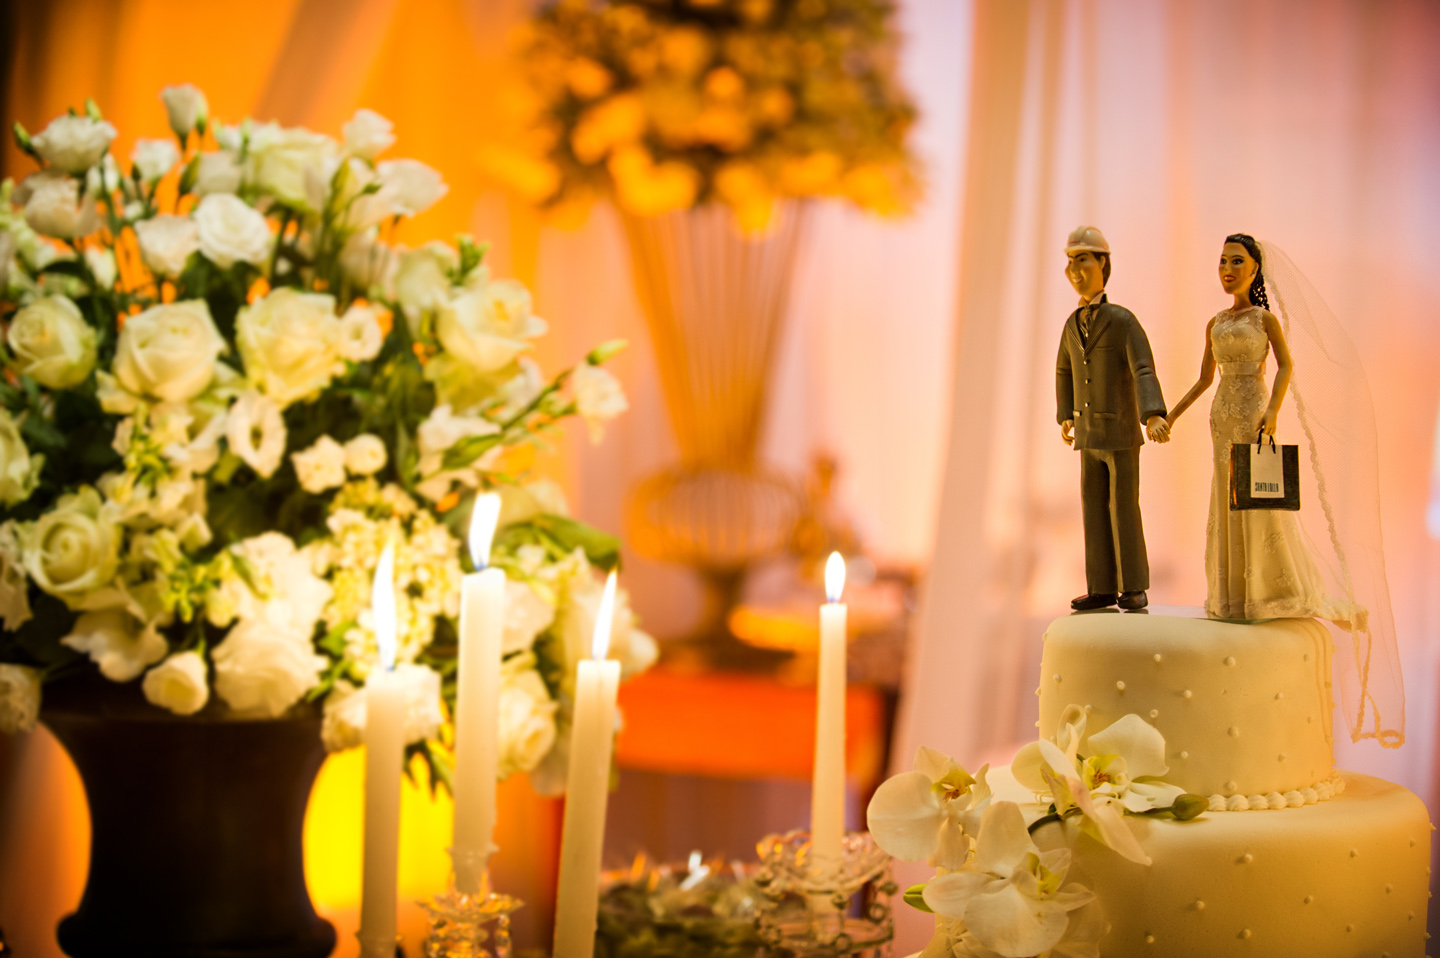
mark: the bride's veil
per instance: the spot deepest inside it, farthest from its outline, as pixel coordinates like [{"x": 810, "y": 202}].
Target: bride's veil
[{"x": 1342, "y": 519}]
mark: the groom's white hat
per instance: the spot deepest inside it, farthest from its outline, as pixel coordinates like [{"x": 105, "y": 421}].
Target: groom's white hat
[{"x": 1086, "y": 238}]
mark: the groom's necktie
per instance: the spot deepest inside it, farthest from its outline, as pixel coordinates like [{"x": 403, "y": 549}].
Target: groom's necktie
[{"x": 1086, "y": 313}]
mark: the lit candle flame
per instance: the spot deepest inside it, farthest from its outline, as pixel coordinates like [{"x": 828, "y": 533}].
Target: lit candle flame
[
  {"x": 483, "y": 518},
  {"x": 834, "y": 577},
  {"x": 382, "y": 607},
  {"x": 600, "y": 643}
]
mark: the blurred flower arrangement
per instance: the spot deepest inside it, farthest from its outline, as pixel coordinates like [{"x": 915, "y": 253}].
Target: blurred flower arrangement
[
  {"x": 226, "y": 389},
  {"x": 702, "y": 909},
  {"x": 667, "y": 104}
]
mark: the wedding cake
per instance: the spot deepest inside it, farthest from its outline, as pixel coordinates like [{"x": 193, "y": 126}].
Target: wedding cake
[{"x": 1291, "y": 857}]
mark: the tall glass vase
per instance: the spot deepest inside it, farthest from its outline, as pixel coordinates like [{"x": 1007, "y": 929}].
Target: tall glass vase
[{"x": 715, "y": 299}]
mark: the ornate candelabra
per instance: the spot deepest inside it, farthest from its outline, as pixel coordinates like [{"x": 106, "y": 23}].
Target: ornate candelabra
[
  {"x": 811, "y": 910},
  {"x": 469, "y": 925}
]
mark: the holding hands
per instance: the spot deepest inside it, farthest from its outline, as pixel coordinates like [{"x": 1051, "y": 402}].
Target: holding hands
[{"x": 1158, "y": 428}]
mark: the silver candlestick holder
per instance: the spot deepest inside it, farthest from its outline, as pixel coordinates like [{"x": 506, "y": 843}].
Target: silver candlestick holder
[
  {"x": 469, "y": 925},
  {"x": 816, "y": 909}
]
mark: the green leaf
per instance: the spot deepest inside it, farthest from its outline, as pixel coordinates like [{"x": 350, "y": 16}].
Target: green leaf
[
  {"x": 467, "y": 450},
  {"x": 190, "y": 173},
  {"x": 333, "y": 641},
  {"x": 601, "y": 548},
  {"x": 22, "y": 140},
  {"x": 606, "y": 350},
  {"x": 915, "y": 897}
]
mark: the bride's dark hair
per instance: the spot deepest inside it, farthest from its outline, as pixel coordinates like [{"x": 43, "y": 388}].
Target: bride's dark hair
[{"x": 1257, "y": 285}]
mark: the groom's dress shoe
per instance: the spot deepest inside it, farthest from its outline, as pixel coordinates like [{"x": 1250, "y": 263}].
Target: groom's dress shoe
[
  {"x": 1131, "y": 601},
  {"x": 1093, "y": 600}
]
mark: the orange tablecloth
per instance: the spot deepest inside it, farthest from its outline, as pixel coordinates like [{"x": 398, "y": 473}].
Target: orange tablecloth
[{"x": 740, "y": 726}]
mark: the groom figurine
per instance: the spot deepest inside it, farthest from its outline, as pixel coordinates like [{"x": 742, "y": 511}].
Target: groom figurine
[{"x": 1105, "y": 386}]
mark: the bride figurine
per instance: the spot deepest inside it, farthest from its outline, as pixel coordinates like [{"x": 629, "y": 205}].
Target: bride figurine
[{"x": 1257, "y": 563}]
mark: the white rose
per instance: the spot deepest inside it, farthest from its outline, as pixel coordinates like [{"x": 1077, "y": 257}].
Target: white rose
[
  {"x": 367, "y": 262},
  {"x": 488, "y": 327},
  {"x": 526, "y": 728},
  {"x": 166, "y": 243},
  {"x": 180, "y": 684},
  {"x": 73, "y": 549},
  {"x": 345, "y": 711},
  {"x": 598, "y": 397},
  {"x": 365, "y": 455},
  {"x": 19, "y": 698},
  {"x": 154, "y": 158},
  {"x": 55, "y": 208},
  {"x": 51, "y": 343},
  {"x": 169, "y": 351},
  {"x": 422, "y": 280},
  {"x": 115, "y": 640},
  {"x": 281, "y": 589},
  {"x": 217, "y": 172},
  {"x": 635, "y": 650},
  {"x": 360, "y": 334},
  {"x": 527, "y": 614},
  {"x": 290, "y": 342},
  {"x": 320, "y": 467},
  {"x": 256, "y": 432},
  {"x": 368, "y": 134},
  {"x": 186, "y": 108},
  {"x": 263, "y": 670},
  {"x": 14, "y": 587},
  {"x": 19, "y": 471},
  {"x": 410, "y": 186},
  {"x": 73, "y": 144},
  {"x": 285, "y": 166},
  {"x": 231, "y": 232}
]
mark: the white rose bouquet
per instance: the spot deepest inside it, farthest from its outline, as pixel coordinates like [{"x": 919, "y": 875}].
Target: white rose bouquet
[{"x": 226, "y": 389}]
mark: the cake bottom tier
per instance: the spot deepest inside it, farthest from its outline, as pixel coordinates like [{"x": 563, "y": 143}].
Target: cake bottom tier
[{"x": 1342, "y": 879}]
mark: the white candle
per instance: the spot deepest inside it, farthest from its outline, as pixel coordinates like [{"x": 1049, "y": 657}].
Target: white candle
[
  {"x": 384, "y": 762},
  {"x": 827, "y": 790},
  {"x": 477, "y": 698},
  {"x": 582, "y": 842}
]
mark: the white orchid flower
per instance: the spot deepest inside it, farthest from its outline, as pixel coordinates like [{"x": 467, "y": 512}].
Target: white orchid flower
[
  {"x": 924, "y": 814},
  {"x": 1121, "y": 774},
  {"x": 1012, "y": 898}
]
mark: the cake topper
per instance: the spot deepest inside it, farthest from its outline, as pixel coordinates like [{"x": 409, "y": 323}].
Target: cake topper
[{"x": 1105, "y": 386}]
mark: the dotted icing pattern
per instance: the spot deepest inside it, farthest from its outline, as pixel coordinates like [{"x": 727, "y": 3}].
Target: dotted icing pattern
[{"x": 1319, "y": 792}]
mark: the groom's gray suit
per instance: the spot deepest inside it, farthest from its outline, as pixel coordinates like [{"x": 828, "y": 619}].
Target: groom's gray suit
[{"x": 1105, "y": 381}]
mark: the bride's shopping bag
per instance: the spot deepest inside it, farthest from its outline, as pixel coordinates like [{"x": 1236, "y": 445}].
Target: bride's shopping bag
[{"x": 1264, "y": 477}]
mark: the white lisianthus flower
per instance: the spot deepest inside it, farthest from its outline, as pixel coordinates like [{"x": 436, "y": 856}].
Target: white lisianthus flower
[
  {"x": 410, "y": 186},
  {"x": 104, "y": 177},
  {"x": 51, "y": 343},
  {"x": 290, "y": 342},
  {"x": 365, "y": 455},
  {"x": 169, "y": 351},
  {"x": 345, "y": 711},
  {"x": 19, "y": 470},
  {"x": 1013, "y": 898},
  {"x": 526, "y": 729},
  {"x": 14, "y": 587},
  {"x": 599, "y": 397},
  {"x": 368, "y": 134},
  {"x": 282, "y": 588},
  {"x": 368, "y": 262},
  {"x": 635, "y": 650},
  {"x": 441, "y": 430},
  {"x": 925, "y": 814},
  {"x": 73, "y": 144},
  {"x": 422, "y": 279},
  {"x": 524, "y": 502},
  {"x": 320, "y": 467},
  {"x": 488, "y": 327},
  {"x": 231, "y": 231},
  {"x": 520, "y": 390},
  {"x": 527, "y": 614},
  {"x": 154, "y": 158},
  {"x": 263, "y": 670},
  {"x": 360, "y": 334},
  {"x": 102, "y": 266},
  {"x": 166, "y": 243},
  {"x": 285, "y": 166},
  {"x": 217, "y": 172},
  {"x": 19, "y": 698},
  {"x": 73, "y": 549},
  {"x": 186, "y": 108},
  {"x": 180, "y": 684},
  {"x": 256, "y": 432},
  {"x": 121, "y": 645},
  {"x": 55, "y": 207}
]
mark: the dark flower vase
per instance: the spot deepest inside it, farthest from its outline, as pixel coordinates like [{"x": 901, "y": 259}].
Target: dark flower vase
[{"x": 196, "y": 825}]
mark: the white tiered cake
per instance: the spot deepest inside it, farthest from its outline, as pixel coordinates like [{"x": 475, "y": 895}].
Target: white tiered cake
[{"x": 1293, "y": 857}]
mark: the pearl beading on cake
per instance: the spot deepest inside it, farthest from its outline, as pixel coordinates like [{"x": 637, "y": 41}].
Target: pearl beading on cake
[{"x": 1319, "y": 792}]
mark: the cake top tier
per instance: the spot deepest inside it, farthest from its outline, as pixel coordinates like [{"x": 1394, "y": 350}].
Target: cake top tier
[{"x": 1244, "y": 707}]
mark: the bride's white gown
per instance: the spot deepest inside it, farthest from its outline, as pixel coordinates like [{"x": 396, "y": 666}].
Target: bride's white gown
[{"x": 1257, "y": 565}]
